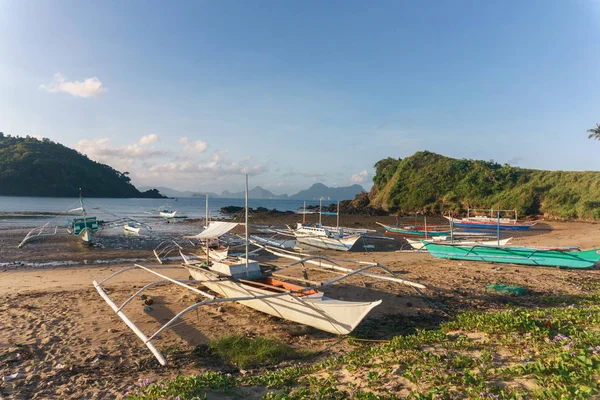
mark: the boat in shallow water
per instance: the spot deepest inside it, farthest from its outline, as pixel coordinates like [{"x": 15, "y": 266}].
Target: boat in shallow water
[{"x": 566, "y": 257}]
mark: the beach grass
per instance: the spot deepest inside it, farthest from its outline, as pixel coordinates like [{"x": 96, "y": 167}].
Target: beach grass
[
  {"x": 246, "y": 353},
  {"x": 516, "y": 353}
]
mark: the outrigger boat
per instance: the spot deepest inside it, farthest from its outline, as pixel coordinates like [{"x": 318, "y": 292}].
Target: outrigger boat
[
  {"x": 84, "y": 226},
  {"x": 327, "y": 237},
  {"x": 566, "y": 257},
  {"x": 242, "y": 280},
  {"x": 491, "y": 222},
  {"x": 167, "y": 214},
  {"x": 134, "y": 227},
  {"x": 421, "y": 245},
  {"x": 415, "y": 230},
  {"x": 319, "y": 236}
]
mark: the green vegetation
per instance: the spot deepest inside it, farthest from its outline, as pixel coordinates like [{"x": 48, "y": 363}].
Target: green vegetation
[
  {"x": 516, "y": 353},
  {"x": 32, "y": 167},
  {"x": 429, "y": 182},
  {"x": 594, "y": 132},
  {"x": 245, "y": 352}
]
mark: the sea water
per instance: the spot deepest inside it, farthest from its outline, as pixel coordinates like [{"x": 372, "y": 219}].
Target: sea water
[{"x": 30, "y": 210}]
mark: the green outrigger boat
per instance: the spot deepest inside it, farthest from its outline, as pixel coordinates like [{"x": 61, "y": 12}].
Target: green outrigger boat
[
  {"x": 565, "y": 257},
  {"x": 415, "y": 230}
]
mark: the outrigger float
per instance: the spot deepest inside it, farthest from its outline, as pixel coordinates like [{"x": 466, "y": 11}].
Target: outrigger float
[{"x": 239, "y": 279}]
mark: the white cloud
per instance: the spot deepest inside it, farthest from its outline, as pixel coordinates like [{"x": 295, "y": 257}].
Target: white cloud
[
  {"x": 119, "y": 157},
  {"x": 209, "y": 170},
  {"x": 361, "y": 177},
  {"x": 90, "y": 87},
  {"x": 217, "y": 155},
  {"x": 198, "y": 146},
  {"x": 149, "y": 139}
]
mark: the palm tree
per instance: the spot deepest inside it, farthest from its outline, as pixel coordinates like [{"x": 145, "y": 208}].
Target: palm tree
[{"x": 594, "y": 132}]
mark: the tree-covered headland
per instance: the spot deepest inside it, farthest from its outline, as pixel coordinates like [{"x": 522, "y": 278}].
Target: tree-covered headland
[
  {"x": 431, "y": 183},
  {"x": 33, "y": 167}
]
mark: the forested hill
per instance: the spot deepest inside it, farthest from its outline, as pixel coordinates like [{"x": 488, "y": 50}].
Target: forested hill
[
  {"x": 32, "y": 167},
  {"x": 433, "y": 183}
]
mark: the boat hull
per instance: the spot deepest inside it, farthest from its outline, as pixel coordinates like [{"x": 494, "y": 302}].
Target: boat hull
[
  {"x": 323, "y": 242},
  {"x": 490, "y": 226},
  {"x": 329, "y": 315},
  {"x": 131, "y": 229},
  {"x": 414, "y": 232},
  {"x": 419, "y": 245},
  {"x": 516, "y": 255},
  {"x": 87, "y": 235}
]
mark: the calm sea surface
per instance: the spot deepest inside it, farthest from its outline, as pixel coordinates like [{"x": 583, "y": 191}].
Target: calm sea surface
[{"x": 21, "y": 210}]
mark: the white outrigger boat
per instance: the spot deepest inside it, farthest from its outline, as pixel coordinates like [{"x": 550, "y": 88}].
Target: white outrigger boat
[
  {"x": 135, "y": 227},
  {"x": 327, "y": 237},
  {"x": 167, "y": 214},
  {"x": 421, "y": 244},
  {"x": 242, "y": 280},
  {"x": 323, "y": 238},
  {"x": 131, "y": 228}
]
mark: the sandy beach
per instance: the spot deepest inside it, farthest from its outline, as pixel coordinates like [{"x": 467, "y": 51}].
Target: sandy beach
[{"x": 63, "y": 341}]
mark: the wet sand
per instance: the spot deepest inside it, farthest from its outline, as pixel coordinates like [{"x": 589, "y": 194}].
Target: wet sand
[{"x": 65, "y": 341}]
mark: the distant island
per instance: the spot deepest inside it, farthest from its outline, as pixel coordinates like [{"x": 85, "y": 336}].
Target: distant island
[
  {"x": 33, "y": 167},
  {"x": 431, "y": 183},
  {"x": 315, "y": 192}
]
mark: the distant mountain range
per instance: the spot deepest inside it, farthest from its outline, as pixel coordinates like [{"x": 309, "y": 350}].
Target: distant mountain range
[
  {"x": 316, "y": 191},
  {"x": 178, "y": 193}
]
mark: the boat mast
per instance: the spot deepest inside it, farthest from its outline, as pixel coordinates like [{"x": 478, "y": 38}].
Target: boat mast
[
  {"x": 338, "y": 216},
  {"x": 320, "y": 201},
  {"x": 498, "y": 229},
  {"x": 207, "y": 240},
  {"x": 206, "y": 221},
  {"x": 304, "y": 214},
  {"x": 82, "y": 209},
  {"x": 247, "y": 274}
]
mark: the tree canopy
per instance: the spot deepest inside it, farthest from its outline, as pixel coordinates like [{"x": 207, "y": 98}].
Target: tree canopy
[
  {"x": 33, "y": 167},
  {"x": 594, "y": 133}
]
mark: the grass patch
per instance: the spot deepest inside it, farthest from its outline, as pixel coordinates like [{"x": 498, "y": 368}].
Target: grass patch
[
  {"x": 248, "y": 353},
  {"x": 518, "y": 353}
]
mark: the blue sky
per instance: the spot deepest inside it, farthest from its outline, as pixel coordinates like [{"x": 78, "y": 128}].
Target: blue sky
[{"x": 191, "y": 95}]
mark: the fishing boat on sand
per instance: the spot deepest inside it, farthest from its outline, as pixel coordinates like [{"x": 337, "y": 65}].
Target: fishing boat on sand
[
  {"x": 327, "y": 237},
  {"x": 421, "y": 244},
  {"x": 322, "y": 237},
  {"x": 243, "y": 280},
  {"x": 491, "y": 221},
  {"x": 566, "y": 257},
  {"x": 415, "y": 230}
]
